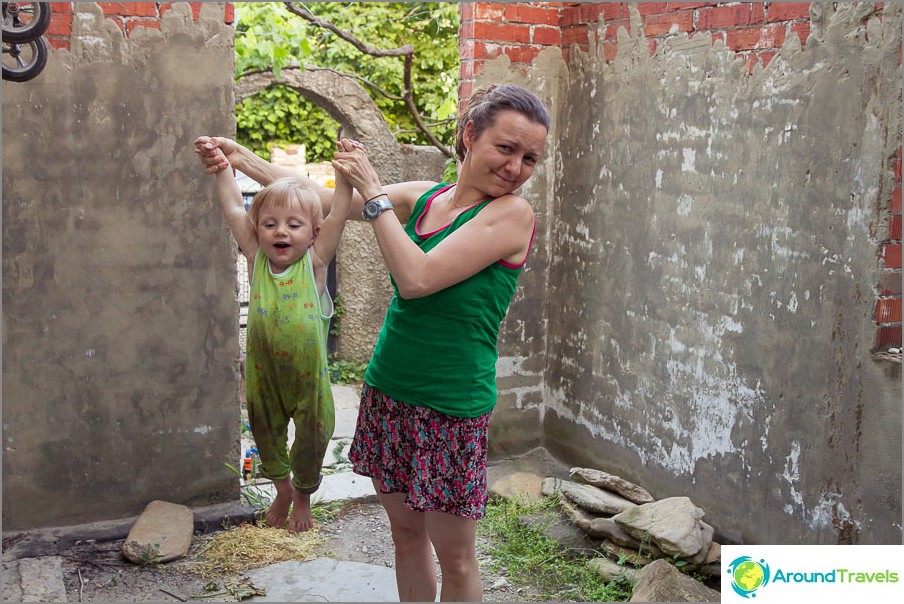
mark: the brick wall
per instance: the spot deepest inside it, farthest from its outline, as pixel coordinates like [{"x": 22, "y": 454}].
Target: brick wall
[
  {"x": 127, "y": 15},
  {"x": 754, "y": 30}
]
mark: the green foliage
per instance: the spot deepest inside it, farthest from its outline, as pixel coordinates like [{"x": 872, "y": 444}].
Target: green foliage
[
  {"x": 534, "y": 560},
  {"x": 346, "y": 372},
  {"x": 269, "y": 37},
  {"x": 338, "y": 311}
]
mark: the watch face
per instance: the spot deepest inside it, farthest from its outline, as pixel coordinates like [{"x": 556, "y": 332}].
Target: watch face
[{"x": 371, "y": 209}]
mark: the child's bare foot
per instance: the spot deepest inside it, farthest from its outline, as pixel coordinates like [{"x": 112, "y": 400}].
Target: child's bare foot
[
  {"x": 301, "y": 519},
  {"x": 278, "y": 511}
]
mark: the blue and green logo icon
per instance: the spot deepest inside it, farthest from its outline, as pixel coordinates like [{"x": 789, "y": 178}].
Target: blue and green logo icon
[{"x": 748, "y": 575}]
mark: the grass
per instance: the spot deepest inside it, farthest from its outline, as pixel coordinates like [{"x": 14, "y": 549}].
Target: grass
[{"x": 534, "y": 561}]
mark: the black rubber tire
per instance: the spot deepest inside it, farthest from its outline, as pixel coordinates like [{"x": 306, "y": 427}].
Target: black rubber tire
[
  {"x": 30, "y": 70},
  {"x": 27, "y": 31}
]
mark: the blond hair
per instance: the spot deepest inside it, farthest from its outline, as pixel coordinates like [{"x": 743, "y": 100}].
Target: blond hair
[{"x": 282, "y": 193}]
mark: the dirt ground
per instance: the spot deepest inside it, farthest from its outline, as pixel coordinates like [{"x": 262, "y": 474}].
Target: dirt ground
[{"x": 98, "y": 572}]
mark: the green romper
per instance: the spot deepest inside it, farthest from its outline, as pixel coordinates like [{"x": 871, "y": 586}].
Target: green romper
[{"x": 286, "y": 373}]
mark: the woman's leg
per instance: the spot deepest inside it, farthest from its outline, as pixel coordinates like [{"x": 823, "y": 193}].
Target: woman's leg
[
  {"x": 414, "y": 565},
  {"x": 455, "y": 540}
]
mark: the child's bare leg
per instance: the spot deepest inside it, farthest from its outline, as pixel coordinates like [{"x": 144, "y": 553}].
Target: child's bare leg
[
  {"x": 279, "y": 510},
  {"x": 301, "y": 519}
]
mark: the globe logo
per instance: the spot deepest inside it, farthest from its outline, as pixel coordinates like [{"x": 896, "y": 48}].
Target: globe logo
[{"x": 748, "y": 575}]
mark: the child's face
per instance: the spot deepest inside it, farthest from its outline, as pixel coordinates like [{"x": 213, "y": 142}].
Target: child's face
[{"x": 285, "y": 234}]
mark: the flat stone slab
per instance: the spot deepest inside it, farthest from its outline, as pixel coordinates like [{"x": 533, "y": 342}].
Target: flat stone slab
[
  {"x": 35, "y": 580},
  {"x": 325, "y": 580}
]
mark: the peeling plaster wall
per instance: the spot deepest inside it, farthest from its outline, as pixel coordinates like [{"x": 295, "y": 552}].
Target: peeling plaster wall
[
  {"x": 712, "y": 277},
  {"x": 120, "y": 348}
]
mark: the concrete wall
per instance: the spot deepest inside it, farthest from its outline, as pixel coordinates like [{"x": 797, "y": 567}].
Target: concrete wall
[
  {"x": 712, "y": 272},
  {"x": 120, "y": 382}
]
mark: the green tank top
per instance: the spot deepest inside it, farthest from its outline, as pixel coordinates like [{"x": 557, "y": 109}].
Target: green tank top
[
  {"x": 440, "y": 351},
  {"x": 286, "y": 350}
]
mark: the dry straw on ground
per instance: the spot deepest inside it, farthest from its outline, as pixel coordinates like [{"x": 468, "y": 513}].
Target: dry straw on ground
[{"x": 246, "y": 546}]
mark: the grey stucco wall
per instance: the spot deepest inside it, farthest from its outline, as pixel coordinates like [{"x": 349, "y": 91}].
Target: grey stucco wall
[
  {"x": 120, "y": 381},
  {"x": 713, "y": 274}
]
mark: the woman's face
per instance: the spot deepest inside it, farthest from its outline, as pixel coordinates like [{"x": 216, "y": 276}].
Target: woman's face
[{"x": 504, "y": 155}]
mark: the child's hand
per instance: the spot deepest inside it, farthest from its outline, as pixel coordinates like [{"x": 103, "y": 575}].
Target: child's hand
[{"x": 210, "y": 152}]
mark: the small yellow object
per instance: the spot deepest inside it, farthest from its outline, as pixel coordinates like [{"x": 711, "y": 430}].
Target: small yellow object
[{"x": 329, "y": 183}]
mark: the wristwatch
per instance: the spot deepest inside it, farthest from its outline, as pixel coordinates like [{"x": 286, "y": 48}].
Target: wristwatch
[{"x": 376, "y": 206}]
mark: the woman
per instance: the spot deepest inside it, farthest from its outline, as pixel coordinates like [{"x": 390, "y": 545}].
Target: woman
[{"x": 454, "y": 253}]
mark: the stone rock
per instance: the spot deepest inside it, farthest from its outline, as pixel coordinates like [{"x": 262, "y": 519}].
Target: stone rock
[
  {"x": 660, "y": 581},
  {"x": 672, "y": 524},
  {"x": 610, "y": 571},
  {"x": 610, "y": 482},
  {"x": 550, "y": 486},
  {"x": 525, "y": 486},
  {"x": 605, "y": 528},
  {"x": 626, "y": 554},
  {"x": 162, "y": 533},
  {"x": 582, "y": 519},
  {"x": 594, "y": 499}
]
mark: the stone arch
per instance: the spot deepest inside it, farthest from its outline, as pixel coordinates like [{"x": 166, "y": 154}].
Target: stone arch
[{"x": 345, "y": 101}]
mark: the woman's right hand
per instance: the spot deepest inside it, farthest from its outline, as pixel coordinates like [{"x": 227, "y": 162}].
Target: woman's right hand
[{"x": 207, "y": 148}]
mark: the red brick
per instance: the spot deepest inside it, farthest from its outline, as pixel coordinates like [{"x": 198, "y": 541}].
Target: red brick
[
  {"x": 891, "y": 283},
  {"x": 132, "y": 24},
  {"x": 465, "y": 11},
  {"x": 657, "y": 25},
  {"x": 58, "y": 42},
  {"x": 466, "y": 49},
  {"x": 522, "y": 54},
  {"x": 464, "y": 92},
  {"x": 673, "y": 6},
  {"x": 897, "y": 167},
  {"x": 570, "y": 16},
  {"x": 466, "y": 29},
  {"x": 757, "y": 12},
  {"x": 651, "y": 8},
  {"x": 894, "y": 227},
  {"x": 60, "y": 8},
  {"x": 518, "y": 13},
  {"x": 891, "y": 253},
  {"x": 549, "y": 36},
  {"x": 755, "y": 38},
  {"x": 722, "y": 17},
  {"x": 501, "y": 32},
  {"x": 651, "y": 46},
  {"x": 575, "y": 35},
  {"x": 60, "y": 25},
  {"x": 888, "y": 336},
  {"x": 489, "y": 10},
  {"x": 802, "y": 30},
  {"x": 888, "y": 310},
  {"x": 610, "y": 51},
  {"x": 229, "y": 13},
  {"x": 484, "y": 51},
  {"x": 591, "y": 12},
  {"x": 896, "y": 200},
  {"x": 129, "y": 9},
  {"x": 466, "y": 70},
  {"x": 787, "y": 11}
]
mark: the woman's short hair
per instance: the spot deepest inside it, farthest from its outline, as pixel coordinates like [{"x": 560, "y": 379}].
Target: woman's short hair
[
  {"x": 283, "y": 192},
  {"x": 489, "y": 100}
]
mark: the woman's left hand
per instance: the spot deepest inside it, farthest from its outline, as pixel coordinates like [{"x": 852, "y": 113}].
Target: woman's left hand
[{"x": 351, "y": 160}]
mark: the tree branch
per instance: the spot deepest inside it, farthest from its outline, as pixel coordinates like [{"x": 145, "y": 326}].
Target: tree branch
[
  {"x": 406, "y": 51},
  {"x": 304, "y": 13}
]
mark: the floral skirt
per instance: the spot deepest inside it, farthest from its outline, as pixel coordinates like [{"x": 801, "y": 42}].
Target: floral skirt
[{"x": 439, "y": 461}]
